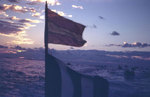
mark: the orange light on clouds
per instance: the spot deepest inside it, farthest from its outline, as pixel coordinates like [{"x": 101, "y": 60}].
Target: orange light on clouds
[
  {"x": 18, "y": 7},
  {"x": 19, "y": 38}
]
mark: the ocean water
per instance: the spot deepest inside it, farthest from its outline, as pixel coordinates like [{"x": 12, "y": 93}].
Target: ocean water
[
  {"x": 119, "y": 85},
  {"x": 21, "y": 78},
  {"x": 24, "y": 77}
]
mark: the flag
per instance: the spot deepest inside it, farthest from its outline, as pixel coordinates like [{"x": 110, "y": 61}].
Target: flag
[
  {"x": 62, "y": 81},
  {"x": 64, "y": 31}
]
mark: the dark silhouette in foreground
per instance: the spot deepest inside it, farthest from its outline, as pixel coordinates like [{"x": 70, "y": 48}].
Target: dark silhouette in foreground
[{"x": 62, "y": 81}]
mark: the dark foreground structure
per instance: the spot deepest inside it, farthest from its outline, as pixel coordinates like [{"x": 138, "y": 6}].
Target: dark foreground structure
[{"x": 62, "y": 81}]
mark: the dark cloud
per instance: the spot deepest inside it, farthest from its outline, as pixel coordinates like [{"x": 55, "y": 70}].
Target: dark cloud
[
  {"x": 32, "y": 3},
  {"x": 2, "y": 7},
  {"x": 1, "y": 46},
  {"x": 13, "y": 1},
  {"x": 20, "y": 21},
  {"x": 24, "y": 21},
  {"x": 28, "y": 21},
  {"x": 132, "y": 45},
  {"x": 19, "y": 47},
  {"x": 92, "y": 26},
  {"x": 115, "y": 33},
  {"x": 136, "y": 44},
  {"x": 9, "y": 18},
  {"x": 100, "y": 17},
  {"x": 9, "y": 27}
]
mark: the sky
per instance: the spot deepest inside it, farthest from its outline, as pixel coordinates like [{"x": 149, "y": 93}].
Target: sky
[{"x": 111, "y": 25}]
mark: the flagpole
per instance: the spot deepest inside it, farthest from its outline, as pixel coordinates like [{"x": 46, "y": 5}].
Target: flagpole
[
  {"x": 46, "y": 30},
  {"x": 46, "y": 49}
]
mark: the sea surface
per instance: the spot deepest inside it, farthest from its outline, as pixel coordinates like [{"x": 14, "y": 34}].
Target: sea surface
[{"x": 22, "y": 77}]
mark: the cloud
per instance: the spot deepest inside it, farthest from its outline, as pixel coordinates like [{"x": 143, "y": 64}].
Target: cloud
[
  {"x": 27, "y": 26},
  {"x": 61, "y": 13},
  {"x": 92, "y": 26},
  {"x": 20, "y": 38},
  {"x": 79, "y": 7},
  {"x": 28, "y": 21},
  {"x": 14, "y": 27},
  {"x": 3, "y": 13},
  {"x": 51, "y": 2},
  {"x": 3, "y": 7},
  {"x": 23, "y": 21},
  {"x": 1, "y": 46},
  {"x": 19, "y": 47},
  {"x": 13, "y": 1},
  {"x": 30, "y": 9},
  {"x": 16, "y": 8},
  {"x": 10, "y": 18},
  {"x": 32, "y": 3},
  {"x": 16, "y": 24},
  {"x": 14, "y": 18},
  {"x": 136, "y": 44},
  {"x": 100, "y": 17},
  {"x": 115, "y": 33},
  {"x": 9, "y": 27},
  {"x": 42, "y": 17},
  {"x": 132, "y": 45},
  {"x": 37, "y": 14}
]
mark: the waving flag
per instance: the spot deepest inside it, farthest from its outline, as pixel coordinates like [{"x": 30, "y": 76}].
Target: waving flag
[{"x": 64, "y": 31}]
